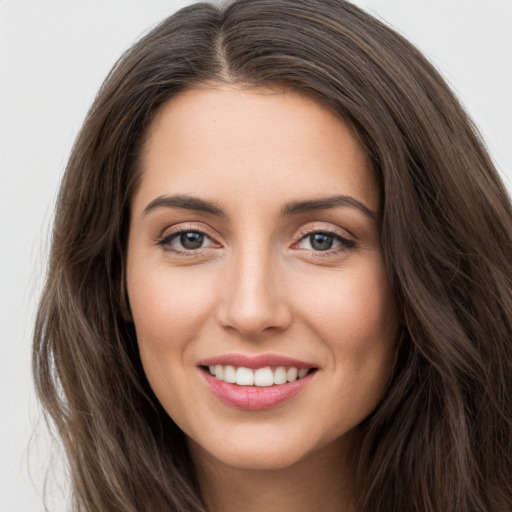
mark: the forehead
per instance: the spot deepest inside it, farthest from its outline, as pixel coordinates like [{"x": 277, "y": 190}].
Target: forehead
[{"x": 225, "y": 142}]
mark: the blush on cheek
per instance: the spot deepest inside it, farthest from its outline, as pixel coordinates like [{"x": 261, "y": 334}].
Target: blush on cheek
[{"x": 168, "y": 309}]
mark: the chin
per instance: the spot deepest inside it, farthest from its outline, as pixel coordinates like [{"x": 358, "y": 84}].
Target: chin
[
  {"x": 257, "y": 459},
  {"x": 265, "y": 452}
]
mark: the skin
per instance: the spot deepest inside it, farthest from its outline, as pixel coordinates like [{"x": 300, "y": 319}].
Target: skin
[{"x": 257, "y": 286}]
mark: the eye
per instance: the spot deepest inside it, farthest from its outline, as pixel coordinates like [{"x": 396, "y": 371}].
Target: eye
[
  {"x": 324, "y": 241},
  {"x": 185, "y": 241}
]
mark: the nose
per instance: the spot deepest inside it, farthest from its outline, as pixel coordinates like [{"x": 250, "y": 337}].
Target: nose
[{"x": 254, "y": 301}]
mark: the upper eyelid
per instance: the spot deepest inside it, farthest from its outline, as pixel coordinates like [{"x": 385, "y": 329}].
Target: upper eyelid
[
  {"x": 342, "y": 233},
  {"x": 184, "y": 228}
]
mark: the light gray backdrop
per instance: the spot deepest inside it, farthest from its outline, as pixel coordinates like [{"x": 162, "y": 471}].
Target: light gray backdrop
[{"x": 53, "y": 57}]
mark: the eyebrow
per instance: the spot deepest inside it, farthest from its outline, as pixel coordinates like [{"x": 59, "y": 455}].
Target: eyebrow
[
  {"x": 326, "y": 203},
  {"x": 186, "y": 203},
  {"x": 293, "y": 208}
]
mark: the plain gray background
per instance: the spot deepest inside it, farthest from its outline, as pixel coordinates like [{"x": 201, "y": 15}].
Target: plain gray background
[{"x": 53, "y": 57}]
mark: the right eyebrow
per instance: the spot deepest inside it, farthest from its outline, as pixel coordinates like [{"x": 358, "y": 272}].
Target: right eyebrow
[
  {"x": 186, "y": 203},
  {"x": 326, "y": 203}
]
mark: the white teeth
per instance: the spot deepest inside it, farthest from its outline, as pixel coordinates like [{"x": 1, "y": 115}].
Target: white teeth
[
  {"x": 230, "y": 374},
  {"x": 244, "y": 376},
  {"x": 219, "y": 371},
  {"x": 280, "y": 375},
  {"x": 262, "y": 377},
  {"x": 291, "y": 374}
]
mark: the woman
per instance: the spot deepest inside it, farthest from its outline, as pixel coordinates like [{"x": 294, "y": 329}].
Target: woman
[{"x": 280, "y": 276}]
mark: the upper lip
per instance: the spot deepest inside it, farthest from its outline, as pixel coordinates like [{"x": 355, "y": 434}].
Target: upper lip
[{"x": 255, "y": 362}]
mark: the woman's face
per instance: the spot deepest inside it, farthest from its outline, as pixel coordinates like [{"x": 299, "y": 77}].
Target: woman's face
[{"x": 254, "y": 250}]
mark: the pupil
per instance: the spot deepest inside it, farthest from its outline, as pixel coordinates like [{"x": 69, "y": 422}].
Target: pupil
[
  {"x": 191, "y": 240},
  {"x": 321, "y": 242}
]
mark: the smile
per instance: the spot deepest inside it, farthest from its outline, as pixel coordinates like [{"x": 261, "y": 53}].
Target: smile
[
  {"x": 256, "y": 383},
  {"x": 261, "y": 377}
]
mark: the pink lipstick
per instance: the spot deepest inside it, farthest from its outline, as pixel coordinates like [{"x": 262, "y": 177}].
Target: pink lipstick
[{"x": 256, "y": 383}]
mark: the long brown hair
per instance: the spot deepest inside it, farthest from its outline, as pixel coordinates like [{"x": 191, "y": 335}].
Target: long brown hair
[{"x": 441, "y": 438}]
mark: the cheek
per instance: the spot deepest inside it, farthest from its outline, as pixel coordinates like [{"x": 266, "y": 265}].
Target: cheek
[
  {"x": 166, "y": 305},
  {"x": 353, "y": 314},
  {"x": 352, "y": 309},
  {"x": 165, "y": 308}
]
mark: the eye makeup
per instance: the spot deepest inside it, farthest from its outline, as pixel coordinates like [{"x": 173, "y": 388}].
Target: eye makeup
[{"x": 190, "y": 240}]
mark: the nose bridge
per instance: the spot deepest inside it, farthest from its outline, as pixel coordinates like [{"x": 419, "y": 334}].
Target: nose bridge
[{"x": 253, "y": 300}]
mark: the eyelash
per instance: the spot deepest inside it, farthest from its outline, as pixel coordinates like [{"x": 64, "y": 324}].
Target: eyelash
[
  {"x": 165, "y": 240},
  {"x": 345, "y": 242}
]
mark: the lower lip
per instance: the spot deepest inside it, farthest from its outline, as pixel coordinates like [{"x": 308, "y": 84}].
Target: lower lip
[{"x": 255, "y": 398}]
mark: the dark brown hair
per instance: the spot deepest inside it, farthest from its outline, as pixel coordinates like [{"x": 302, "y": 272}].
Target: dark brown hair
[{"x": 441, "y": 438}]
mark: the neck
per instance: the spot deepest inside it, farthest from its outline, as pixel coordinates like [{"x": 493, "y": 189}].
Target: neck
[{"x": 320, "y": 481}]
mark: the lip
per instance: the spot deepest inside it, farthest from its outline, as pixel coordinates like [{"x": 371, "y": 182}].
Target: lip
[
  {"x": 255, "y": 398},
  {"x": 255, "y": 362}
]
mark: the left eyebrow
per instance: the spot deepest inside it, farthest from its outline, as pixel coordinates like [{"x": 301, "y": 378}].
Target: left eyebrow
[
  {"x": 326, "y": 203},
  {"x": 186, "y": 203}
]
